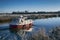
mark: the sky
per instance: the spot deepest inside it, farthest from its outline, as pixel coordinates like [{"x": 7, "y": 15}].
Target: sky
[{"x": 8, "y": 6}]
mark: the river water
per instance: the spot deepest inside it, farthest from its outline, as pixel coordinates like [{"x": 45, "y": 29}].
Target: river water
[{"x": 47, "y": 23}]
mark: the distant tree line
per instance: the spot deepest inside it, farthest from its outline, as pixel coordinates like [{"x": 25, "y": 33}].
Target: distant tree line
[{"x": 26, "y": 12}]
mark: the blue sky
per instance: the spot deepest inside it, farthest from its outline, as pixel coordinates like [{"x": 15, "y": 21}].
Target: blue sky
[{"x": 29, "y": 5}]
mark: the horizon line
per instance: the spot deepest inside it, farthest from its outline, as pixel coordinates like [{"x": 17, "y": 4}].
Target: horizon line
[{"x": 29, "y": 11}]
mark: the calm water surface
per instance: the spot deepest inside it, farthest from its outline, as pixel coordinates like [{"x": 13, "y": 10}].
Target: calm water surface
[{"x": 48, "y": 23}]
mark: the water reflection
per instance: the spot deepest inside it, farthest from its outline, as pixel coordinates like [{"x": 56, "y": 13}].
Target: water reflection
[{"x": 49, "y": 23}]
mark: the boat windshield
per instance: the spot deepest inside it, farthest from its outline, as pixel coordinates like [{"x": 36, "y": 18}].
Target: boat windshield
[{"x": 21, "y": 20}]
